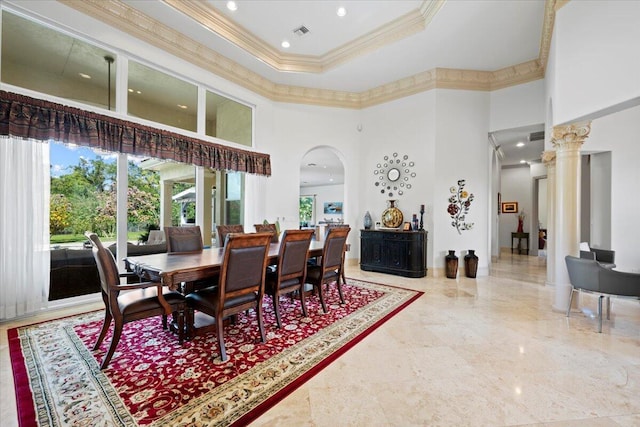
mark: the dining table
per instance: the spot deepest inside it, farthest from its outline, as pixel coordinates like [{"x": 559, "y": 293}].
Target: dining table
[
  {"x": 174, "y": 269},
  {"x": 179, "y": 272}
]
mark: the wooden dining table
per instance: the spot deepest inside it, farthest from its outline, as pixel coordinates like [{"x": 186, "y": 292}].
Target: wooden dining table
[
  {"x": 179, "y": 272},
  {"x": 173, "y": 269}
]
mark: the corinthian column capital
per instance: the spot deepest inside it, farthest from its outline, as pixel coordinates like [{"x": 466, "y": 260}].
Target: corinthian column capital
[
  {"x": 571, "y": 136},
  {"x": 549, "y": 158}
]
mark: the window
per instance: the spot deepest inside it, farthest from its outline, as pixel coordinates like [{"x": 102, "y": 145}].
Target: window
[
  {"x": 159, "y": 97},
  {"x": 234, "y": 197},
  {"x": 39, "y": 58},
  {"x": 307, "y": 207},
  {"x": 229, "y": 120}
]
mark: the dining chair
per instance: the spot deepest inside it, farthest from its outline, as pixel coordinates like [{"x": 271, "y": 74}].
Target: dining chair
[
  {"x": 268, "y": 228},
  {"x": 223, "y": 230},
  {"x": 331, "y": 263},
  {"x": 340, "y": 225},
  {"x": 290, "y": 273},
  {"x": 184, "y": 239},
  {"x": 126, "y": 303},
  {"x": 241, "y": 283}
]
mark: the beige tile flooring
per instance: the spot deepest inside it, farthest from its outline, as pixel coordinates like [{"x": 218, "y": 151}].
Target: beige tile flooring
[{"x": 470, "y": 352}]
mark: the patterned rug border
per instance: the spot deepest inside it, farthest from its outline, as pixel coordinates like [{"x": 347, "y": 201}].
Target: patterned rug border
[{"x": 28, "y": 414}]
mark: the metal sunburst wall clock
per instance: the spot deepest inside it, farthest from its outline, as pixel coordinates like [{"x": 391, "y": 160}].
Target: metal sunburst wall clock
[{"x": 393, "y": 175}]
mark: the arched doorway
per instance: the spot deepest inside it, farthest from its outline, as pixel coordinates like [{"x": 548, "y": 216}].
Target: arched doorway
[{"x": 321, "y": 189}]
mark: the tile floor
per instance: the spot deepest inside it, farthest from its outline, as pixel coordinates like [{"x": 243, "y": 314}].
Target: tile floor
[{"x": 470, "y": 352}]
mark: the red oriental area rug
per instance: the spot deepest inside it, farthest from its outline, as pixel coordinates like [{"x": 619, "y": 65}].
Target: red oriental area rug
[{"x": 154, "y": 381}]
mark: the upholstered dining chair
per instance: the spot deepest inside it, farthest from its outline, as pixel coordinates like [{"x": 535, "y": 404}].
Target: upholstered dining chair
[
  {"x": 184, "y": 239},
  {"x": 126, "y": 303},
  {"x": 330, "y": 268},
  {"x": 268, "y": 228},
  {"x": 223, "y": 230},
  {"x": 241, "y": 283},
  {"x": 339, "y": 225},
  {"x": 291, "y": 271}
]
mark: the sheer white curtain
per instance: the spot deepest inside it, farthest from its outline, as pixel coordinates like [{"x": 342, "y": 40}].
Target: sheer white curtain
[{"x": 24, "y": 226}]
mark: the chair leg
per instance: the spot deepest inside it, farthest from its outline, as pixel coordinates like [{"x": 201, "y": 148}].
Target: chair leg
[
  {"x": 321, "y": 295},
  {"x": 302, "y": 301},
  {"x": 164, "y": 321},
  {"x": 105, "y": 328},
  {"x": 570, "y": 301},
  {"x": 260, "y": 321},
  {"x": 276, "y": 308},
  {"x": 181, "y": 326},
  {"x": 117, "y": 331},
  {"x": 340, "y": 288},
  {"x": 221, "y": 347},
  {"x": 600, "y": 313},
  {"x": 608, "y": 308}
]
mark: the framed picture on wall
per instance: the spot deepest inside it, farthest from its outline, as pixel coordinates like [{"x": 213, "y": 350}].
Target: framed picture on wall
[
  {"x": 333, "y": 208},
  {"x": 510, "y": 207}
]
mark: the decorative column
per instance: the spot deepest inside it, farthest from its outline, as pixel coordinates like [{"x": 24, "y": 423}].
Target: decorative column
[
  {"x": 549, "y": 160},
  {"x": 567, "y": 141},
  {"x": 205, "y": 180},
  {"x": 166, "y": 187}
]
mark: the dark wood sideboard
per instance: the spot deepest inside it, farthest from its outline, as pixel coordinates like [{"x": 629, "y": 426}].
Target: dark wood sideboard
[{"x": 403, "y": 253}]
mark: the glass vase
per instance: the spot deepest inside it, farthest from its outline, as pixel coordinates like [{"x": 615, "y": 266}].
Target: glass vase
[
  {"x": 451, "y": 265},
  {"x": 471, "y": 264}
]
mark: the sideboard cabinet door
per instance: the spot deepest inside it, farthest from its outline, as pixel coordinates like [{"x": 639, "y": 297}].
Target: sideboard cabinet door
[{"x": 403, "y": 253}]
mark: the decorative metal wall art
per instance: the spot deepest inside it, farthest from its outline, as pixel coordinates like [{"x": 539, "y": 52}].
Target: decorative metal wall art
[
  {"x": 393, "y": 175},
  {"x": 459, "y": 204}
]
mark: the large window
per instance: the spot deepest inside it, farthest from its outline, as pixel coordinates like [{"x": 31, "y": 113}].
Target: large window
[
  {"x": 161, "y": 98},
  {"x": 39, "y": 58},
  {"x": 234, "y": 197},
  {"x": 229, "y": 120}
]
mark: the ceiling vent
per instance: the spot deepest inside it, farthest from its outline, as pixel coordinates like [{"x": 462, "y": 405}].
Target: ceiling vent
[
  {"x": 536, "y": 136},
  {"x": 301, "y": 31}
]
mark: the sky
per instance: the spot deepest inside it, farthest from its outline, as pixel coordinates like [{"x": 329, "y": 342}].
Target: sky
[{"x": 64, "y": 157}]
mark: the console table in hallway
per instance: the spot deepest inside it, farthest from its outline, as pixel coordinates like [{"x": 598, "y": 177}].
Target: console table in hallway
[{"x": 520, "y": 236}]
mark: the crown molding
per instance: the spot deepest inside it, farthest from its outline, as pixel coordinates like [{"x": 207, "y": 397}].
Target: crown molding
[
  {"x": 125, "y": 18},
  {"x": 209, "y": 17}
]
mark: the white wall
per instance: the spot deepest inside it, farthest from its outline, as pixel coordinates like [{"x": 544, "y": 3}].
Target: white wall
[
  {"x": 517, "y": 106},
  {"x": 406, "y": 126},
  {"x": 600, "y": 207},
  {"x": 597, "y": 63},
  {"x": 620, "y": 134},
  {"x": 462, "y": 152}
]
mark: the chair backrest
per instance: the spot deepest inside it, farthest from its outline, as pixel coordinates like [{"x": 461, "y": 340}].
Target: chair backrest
[
  {"x": 294, "y": 251},
  {"x": 107, "y": 267},
  {"x": 244, "y": 264},
  {"x": 223, "y": 230},
  {"x": 583, "y": 273},
  {"x": 268, "y": 228},
  {"x": 184, "y": 239},
  {"x": 619, "y": 282},
  {"x": 335, "y": 245},
  {"x": 156, "y": 237}
]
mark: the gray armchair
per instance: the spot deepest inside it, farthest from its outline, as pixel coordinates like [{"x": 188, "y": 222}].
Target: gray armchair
[
  {"x": 606, "y": 257},
  {"x": 592, "y": 276}
]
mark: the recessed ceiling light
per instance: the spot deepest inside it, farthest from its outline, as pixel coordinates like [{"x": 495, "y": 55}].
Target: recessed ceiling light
[
  {"x": 130, "y": 90},
  {"x": 311, "y": 164},
  {"x": 520, "y": 144},
  {"x": 138, "y": 92},
  {"x": 232, "y": 6},
  {"x": 341, "y": 12},
  {"x": 285, "y": 44},
  {"x": 84, "y": 76},
  {"x": 184, "y": 107},
  {"x": 523, "y": 161}
]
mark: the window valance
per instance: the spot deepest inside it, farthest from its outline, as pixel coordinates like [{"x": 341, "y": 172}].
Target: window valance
[{"x": 25, "y": 117}]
